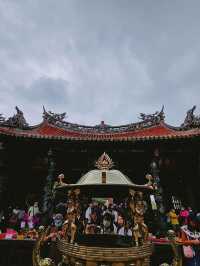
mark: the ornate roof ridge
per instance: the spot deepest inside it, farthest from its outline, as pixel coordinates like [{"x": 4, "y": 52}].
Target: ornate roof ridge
[
  {"x": 146, "y": 122},
  {"x": 100, "y": 133},
  {"x": 58, "y": 120}
]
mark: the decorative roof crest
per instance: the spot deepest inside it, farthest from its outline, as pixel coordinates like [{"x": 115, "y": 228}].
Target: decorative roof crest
[
  {"x": 147, "y": 121},
  {"x": 155, "y": 118},
  {"x": 53, "y": 117},
  {"x": 104, "y": 162},
  {"x": 191, "y": 120},
  {"x": 2, "y": 119},
  {"x": 17, "y": 120}
]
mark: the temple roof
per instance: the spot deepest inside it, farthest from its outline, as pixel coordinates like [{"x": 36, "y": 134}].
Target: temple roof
[{"x": 54, "y": 127}]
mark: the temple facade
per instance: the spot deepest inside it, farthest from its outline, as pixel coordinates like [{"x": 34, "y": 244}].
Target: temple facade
[{"x": 170, "y": 154}]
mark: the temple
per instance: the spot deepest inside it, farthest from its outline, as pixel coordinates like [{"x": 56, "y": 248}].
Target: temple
[{"x": 170, "y": 154}]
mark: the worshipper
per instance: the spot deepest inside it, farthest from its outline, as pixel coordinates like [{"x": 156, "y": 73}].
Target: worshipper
[
  {"x": 13, "y": 221},
  {"x": 93, "y": 218},
  {"x": 190, "y": 239},
  {"x": 21, "y": 214},
  {"x": 24, "y": 221},
  {"x": 16, "y": 210},
  {"x": 115, "y": 213},
  {"x": 92, "y": 225},
  {"x": 125, "y": 230},
  {"x": 58, "y": 220},
  {"x": 191, "y": 213},
  {"x": 79, "y": 222},
  {"x": 88, "y": 213},
  {"x": 108, "y": 226},
  {"x": 198, "y": 217},
  {"x": 120, "y": 221},
  {"x": 112, "y": 210},
  {"x": 30, "y": 222},
  {"x": 173, "y": 218},
  {"x": 183, "y": 216},
  {"x": 97, "y": 208},
  {"x": 34, "y": 209}
]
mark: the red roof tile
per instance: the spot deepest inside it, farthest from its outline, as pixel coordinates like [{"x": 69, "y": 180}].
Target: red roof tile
[{"x": 49, "y": 131}]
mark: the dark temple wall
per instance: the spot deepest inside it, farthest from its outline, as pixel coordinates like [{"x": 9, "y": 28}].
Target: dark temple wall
[{"x": 23, "y": 164}]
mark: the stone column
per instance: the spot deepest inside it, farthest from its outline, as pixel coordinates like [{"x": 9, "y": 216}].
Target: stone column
[
  {"x": 158, "y": 188},
  {"x": 48, "y": 197},
  {"x": 160, "y": 212}
]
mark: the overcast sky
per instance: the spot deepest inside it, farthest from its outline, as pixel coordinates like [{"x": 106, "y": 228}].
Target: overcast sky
[{"x": 100, "y": 59}]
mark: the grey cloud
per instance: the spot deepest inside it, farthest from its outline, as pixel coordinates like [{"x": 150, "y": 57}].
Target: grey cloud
[
  {"x": 45, "y": 90},
  {"x": 100, "y": 60}
]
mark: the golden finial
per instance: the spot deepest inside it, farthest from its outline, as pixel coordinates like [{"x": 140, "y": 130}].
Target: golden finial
[{"x": 104, "y": 162}]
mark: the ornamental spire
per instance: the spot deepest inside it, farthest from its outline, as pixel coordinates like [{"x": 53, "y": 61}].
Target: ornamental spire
[
  {"x": 53, "y": 118},
  {"x": 154, "y": 118},
  {"x": 104, "y": 162},
  {"x": 191, "y": 120},
  {"x": 16, "y": 121}
]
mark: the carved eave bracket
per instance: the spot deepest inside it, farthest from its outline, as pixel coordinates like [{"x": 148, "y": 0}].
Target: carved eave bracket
[
  {"x": 16, "y": 121},
  {"x": 191, "y": 120}
]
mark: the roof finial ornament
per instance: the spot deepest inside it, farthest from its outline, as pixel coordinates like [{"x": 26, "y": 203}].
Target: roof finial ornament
[
  {"x": 2, "y": 119},
  {"x": 191, "y": 120},
  {"x": 162, "y": 114},
  {"x": 104, "y": 162},
  {"x": 154, "y": 118},
  {"x": 17, "y": 120},
  {"x": 53, "y": 118}
]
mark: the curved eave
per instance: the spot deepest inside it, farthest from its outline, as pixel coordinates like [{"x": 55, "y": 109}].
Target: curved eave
[{"x": 51, "y": 132}]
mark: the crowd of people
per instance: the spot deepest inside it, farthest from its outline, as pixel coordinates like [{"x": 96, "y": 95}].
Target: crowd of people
[
  {"x": 186, "y": 224},
  {"x": 95, "y": 218},
  {"x": 88, "y": 216},
  {"x": 72, "y": 219},
  {"x": 20, "y": 223},
  {"x": 176, "y": 219}
]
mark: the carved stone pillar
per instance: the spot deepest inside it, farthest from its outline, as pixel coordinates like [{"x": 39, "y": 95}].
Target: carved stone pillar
[
  {"x": 158, "y": 188},
  {"x": 47, "y": 207},
  {"x": 159, "y": 213}
]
